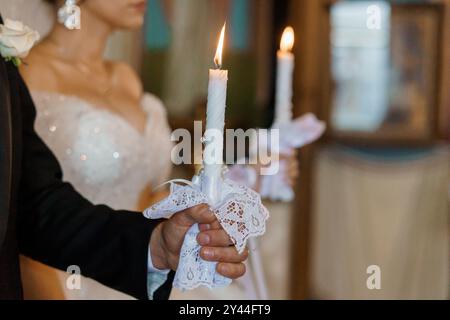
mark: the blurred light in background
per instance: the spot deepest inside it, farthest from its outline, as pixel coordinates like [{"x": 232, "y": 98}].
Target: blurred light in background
[{"x": 360, "y": 66}]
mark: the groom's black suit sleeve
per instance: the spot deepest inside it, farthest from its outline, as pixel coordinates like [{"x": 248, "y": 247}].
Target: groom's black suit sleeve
[{"x": 60, "y": 228}]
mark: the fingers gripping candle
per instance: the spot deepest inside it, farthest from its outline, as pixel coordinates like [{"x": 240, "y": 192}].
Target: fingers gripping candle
[
  {"x": 284, "y": 93},
  {"x": 215, "y": 123}
]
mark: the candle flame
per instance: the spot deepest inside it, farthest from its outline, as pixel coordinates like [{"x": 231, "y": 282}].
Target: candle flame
[
  {"x": 218, "y": 57},
  {"x": 287, "y": 40}
]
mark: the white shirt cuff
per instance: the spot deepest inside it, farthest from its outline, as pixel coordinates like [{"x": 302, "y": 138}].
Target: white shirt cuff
[
  {"x": 155, "y": 277},
  {"x": 151, "y": 267}
]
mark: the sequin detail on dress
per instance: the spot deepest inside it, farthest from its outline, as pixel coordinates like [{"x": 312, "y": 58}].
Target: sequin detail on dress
[{"x": 106, "y": 159}]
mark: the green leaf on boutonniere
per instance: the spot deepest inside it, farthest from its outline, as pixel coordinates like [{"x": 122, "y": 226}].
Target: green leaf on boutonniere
[{"x": 15, "y": 60}]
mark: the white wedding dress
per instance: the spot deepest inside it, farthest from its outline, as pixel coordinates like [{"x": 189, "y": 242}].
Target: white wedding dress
[{"x": 108, "y": 161}]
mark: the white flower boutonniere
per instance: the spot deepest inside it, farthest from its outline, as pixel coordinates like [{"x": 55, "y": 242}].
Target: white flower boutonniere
[{"x": 16, "y": 41}]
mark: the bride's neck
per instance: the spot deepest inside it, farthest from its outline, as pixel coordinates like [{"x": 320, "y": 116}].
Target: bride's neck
[{"x": 86, "y": 45}]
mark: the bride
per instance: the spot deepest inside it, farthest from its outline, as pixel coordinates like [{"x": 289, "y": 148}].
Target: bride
[{"x": 111, "y": 138}]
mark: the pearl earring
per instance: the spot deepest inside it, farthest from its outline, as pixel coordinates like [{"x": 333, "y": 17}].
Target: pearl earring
[{"x": 70, "y": 15}]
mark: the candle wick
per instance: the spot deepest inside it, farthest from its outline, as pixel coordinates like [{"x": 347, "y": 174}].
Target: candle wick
[{"x": 217, "y": 63}]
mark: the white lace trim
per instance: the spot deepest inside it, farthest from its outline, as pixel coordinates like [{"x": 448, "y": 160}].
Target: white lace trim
[
  {"x": 240, "y": 212},
  {"x": 293, "y": 135}
]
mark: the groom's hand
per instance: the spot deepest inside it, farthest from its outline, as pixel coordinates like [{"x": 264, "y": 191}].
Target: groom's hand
[{"x": 168, "y": 237}]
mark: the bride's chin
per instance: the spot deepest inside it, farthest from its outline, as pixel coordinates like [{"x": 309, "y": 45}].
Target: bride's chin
[{"x": 130, "y": 24}]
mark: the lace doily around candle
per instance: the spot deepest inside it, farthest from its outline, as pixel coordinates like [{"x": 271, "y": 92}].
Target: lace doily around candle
[
  {"x": 293, "y": 135},
  {"x": 300, "y": 132},
  {"x": 240, "y": 212}
]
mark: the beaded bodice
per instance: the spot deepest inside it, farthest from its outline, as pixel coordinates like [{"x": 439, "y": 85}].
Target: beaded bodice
[{"x": 103, "y": 156}]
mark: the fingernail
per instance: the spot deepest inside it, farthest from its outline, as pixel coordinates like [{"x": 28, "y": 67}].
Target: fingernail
[
  {"x": 208, "y": 253},
  {"x": 205, "y": 227},
  {"x": 203, "y": 239}
]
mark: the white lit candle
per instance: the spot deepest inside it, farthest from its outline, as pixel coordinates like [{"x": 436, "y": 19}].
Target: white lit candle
[
  {"x": 285, "y": 72},
  {"x": 215, "y": 123}
]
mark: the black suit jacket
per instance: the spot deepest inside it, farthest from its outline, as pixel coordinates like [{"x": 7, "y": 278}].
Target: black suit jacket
[{"x": 47, "y": 220}]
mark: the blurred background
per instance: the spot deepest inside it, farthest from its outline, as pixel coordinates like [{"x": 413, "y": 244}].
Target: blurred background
[{"x": 375, "y": 190}]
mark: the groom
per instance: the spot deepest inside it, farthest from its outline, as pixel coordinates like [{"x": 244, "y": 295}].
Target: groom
[{"x": 47, "y": 220}]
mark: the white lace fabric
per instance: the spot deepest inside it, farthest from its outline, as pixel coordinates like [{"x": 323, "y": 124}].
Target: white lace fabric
[
  {"x": 241, "y": 214},
  {"x": 299, "y": 132},
  {"x": 293, "y": 135}
]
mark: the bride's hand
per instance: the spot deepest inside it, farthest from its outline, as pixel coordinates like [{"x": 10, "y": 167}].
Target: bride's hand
[
  {"x": 290, "y": 168},
  {"x": 168, "y": 237}
]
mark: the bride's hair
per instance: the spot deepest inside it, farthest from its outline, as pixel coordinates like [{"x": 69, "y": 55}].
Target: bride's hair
[{"x": 55, "y": 2}]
